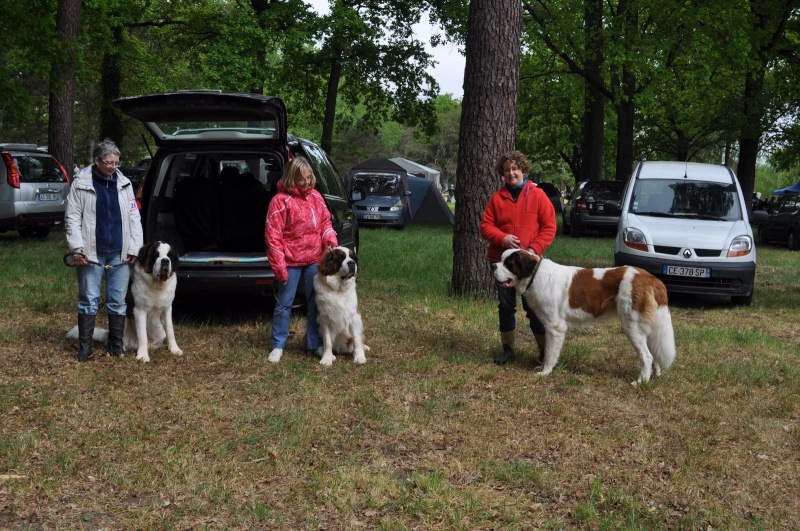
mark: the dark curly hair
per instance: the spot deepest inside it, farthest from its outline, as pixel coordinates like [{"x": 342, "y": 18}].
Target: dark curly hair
[{"x": 517, "y": 157}]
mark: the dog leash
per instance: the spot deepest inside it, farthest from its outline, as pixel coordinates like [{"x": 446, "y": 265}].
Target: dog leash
[{"x": 69, "y": 261}]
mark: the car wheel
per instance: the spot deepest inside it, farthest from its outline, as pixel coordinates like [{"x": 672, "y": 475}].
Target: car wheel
[
  {"x": 575, "y": 231},
  {"x": 791, "y": 241},
  {"x": 26, "y": 232},
  {"x": 742, "y": 300},
  {"x": 565, "y": 227},
  {"x": 41, "y": 233}
]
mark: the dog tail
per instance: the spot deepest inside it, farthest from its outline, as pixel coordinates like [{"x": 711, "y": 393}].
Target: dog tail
[
  {"x": 661, "y": 340},
  {"x": 100, "y": 335}
]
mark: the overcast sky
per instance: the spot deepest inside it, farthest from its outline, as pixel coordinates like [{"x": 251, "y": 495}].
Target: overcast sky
[{"x": 449, "y": 72}]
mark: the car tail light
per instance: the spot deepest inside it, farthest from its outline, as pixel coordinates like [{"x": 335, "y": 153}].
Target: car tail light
[
  {"x": 12, "y": 172},
  {"x": 66, "y": 175},
  {"x": 580, "y": 205}
]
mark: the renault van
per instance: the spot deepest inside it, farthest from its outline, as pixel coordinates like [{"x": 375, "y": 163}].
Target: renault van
[{"x": 687, "y": 224}]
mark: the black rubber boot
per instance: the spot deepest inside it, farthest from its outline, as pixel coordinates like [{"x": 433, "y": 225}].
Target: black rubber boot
[
  {"x": 506, "y": 356},
  {"x": 85, "y": 333},
  {"x": 116, "y": 328}
]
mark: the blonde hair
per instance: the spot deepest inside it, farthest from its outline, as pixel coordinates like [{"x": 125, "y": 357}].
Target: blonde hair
[
  {"x": 294, "y": 171},
  {"x": 517, "y": 157}
]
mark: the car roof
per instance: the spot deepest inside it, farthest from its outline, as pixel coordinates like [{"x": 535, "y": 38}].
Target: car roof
[
  {"x": 697, "y": 171},
  {"x": 198, "y": 116}
]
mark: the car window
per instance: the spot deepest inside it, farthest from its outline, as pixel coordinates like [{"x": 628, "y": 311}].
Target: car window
[
  {"x": 604, "y": 190},
  {"x": 328, "y": 181},
  {"x": 681, "y": 198},
  {"x": 35, "y": 168},
  {"x": 377, "y": 183}
]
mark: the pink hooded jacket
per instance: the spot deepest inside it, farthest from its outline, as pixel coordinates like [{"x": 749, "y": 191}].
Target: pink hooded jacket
[{"x": 298, "y": 229}]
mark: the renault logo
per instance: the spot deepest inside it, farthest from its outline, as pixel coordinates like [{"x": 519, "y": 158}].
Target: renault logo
[
  {"x": 373, "y": 209},
  {"x": 687, "y": 253}
]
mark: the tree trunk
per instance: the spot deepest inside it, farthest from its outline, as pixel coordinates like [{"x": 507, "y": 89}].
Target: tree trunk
[
  {"x": 331, "y": 95},
  {"x": 751, "y": 134},
  {"x": 591, "y": 167},
  {"x": 110, "y": 82},
  {"x": 62, "y": 84},
  {"x": 488, "y": 129}
]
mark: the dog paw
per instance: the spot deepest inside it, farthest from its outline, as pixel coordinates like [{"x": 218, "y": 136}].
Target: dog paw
[
  {"x": 144, "y": 358},
  {"x": 366, "y": 348},
  {"x": 544, "y": 373},
  {"x": 176, "y": 351},
  {"x": 327, "y": 361},
  {"x": 361, "y": 360}
]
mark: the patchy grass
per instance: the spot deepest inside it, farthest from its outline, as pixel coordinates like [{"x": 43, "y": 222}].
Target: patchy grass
[{"x": 429, "y": 434}]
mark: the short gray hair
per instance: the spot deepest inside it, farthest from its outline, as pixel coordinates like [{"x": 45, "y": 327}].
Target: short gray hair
[{"x": 105, "y": 148}]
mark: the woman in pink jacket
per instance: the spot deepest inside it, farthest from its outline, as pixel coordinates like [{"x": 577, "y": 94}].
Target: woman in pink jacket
[
  {"x": 298, "y": 230},
  {"x": 518, "y": 216}
]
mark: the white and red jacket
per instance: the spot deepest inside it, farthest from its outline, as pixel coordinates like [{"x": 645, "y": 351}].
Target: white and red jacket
[{"x": 298, "y": 229}]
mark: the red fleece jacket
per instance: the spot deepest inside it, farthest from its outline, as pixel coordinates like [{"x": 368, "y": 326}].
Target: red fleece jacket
[{"x": 531, "y": 218}]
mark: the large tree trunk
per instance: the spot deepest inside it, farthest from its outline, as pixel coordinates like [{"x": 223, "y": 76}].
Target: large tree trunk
[
  {"x": 751, "y": 134},
  {"x": 625, "y": 112},
  {"x": 111, "y": 80},
  {"x": 591, "y": 167},
  {"x": 488, "y": 129},
  {"x": 331, "y": 95},
  {"x": 62, "y": 83}
]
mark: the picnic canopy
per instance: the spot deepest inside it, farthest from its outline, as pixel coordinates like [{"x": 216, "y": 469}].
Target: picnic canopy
[{"x": 795, "y": 188}]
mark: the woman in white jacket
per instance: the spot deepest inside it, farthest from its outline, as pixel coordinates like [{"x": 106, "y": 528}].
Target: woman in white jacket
[{"x": 103, "y": 227}]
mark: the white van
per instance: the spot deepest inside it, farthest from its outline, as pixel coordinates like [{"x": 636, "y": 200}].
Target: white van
[{"x": 686, "y": 223}]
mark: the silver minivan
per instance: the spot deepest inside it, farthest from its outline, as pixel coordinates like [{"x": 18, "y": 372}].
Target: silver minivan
[
  {"x": 687, "y": 224},
  {"x": 33, "y": 190}
]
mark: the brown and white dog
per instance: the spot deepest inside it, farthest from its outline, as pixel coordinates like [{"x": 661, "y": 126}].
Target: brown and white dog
[
  {"x": 340, "y": 324},
  {"x": 566, "y": 297},
  {"x": 150, "y": 295}
]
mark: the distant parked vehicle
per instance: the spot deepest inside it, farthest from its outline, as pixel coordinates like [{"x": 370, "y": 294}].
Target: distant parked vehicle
[
  {"x": 782, "y": 223},
  {"x": 593, "y": 205},
  {"x": 135, "y": 173},
  {"x": 33, "y": 190}
]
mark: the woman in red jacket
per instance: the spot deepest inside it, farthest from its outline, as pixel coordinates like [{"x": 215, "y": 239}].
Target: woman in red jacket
[
  {"x": 298, "y": 230},
  {"x": 518, "y": 216}
]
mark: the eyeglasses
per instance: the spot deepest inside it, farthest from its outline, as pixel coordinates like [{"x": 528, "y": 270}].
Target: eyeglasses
[{"x": 109, "y": 164}]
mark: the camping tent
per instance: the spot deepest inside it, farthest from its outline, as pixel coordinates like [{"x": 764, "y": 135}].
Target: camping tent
[
  {"x": 419, "y": 170},
  {"x": 795, "y": 188},
  {"x": 427, "y": 203}
]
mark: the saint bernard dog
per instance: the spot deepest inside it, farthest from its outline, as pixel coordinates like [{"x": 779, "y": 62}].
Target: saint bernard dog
[
  {"x": 150, "y": 295},
  {"x": 340, "y": 324},
  {"x": 566, "y": 297}
]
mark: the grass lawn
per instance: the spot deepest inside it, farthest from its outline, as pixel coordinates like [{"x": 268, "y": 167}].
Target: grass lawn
[{"x": 429, "y": 434}]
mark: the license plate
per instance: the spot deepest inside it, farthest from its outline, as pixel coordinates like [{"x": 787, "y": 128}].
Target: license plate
[
  {"x": 682, "y": 271},
  {"x": 371, "y": 216},
  {"x": 48, "y": 197}
]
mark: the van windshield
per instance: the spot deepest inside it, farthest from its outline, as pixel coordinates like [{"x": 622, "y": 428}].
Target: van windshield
[
  {"x": 681, "y": 198},
  {"x": 377, "y": 183}
]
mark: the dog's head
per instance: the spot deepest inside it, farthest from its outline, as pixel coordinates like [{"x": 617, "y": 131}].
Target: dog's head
[
  {"x": 339, "y": 261},
  {"x": 516, "y": 266},
  {"x": 158, "y": 259}
]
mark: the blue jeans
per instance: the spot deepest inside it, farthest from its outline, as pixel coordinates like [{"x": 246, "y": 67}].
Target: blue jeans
[
  {"x": 507, "y": 310},
  {"x": 90, "y": 279},
  {"x": 283, "y": 307}
]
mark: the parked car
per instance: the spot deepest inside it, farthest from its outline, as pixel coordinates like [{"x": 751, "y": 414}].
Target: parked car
[
  {"x": 383, "y": 184},
  {"x": 593, "y": 205},
  {"x": 554, "y": 195},
  {"x": 33, "y": 190},
  {"x": 687, "y": 224},
  {"x": 135, "y": 173},
  {"x": 782, "y": 223},
  {"x": 195, "y": 195}
]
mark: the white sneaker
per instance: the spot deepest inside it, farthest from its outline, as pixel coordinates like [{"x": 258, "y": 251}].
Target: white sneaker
[{"x": 275, "y": 355}]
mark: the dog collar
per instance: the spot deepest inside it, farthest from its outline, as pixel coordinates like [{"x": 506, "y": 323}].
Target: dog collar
[{"x": 535, "y": 269}]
